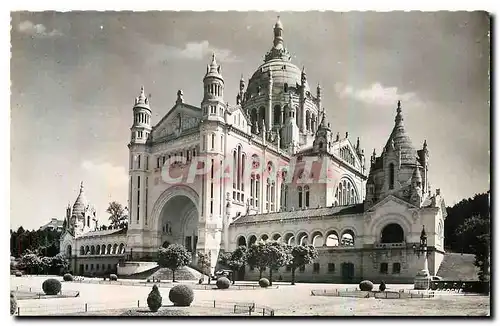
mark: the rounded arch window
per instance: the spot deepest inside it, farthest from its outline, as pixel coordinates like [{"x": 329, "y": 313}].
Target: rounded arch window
[
  {"x": 392, "y": 233},
  {"x": 347, "y": 238},
  {"x": 242, "y": 241},
  {"x": 346, "y": 193},
  {"x": 252, "y": 240}
]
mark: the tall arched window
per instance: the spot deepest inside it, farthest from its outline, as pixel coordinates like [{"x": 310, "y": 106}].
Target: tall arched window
[
  {"x": 273, "y": 194},
  {"x": 308, "y": 120},
  {"x": 213, "y": 141},
  {"x": 346, "y": 193},
  {"x": 391, "y": 176},
  {"x": 299, "y": 189},
  {"x": 306, "y": 192},
  {"x": 277, "y": 114}
]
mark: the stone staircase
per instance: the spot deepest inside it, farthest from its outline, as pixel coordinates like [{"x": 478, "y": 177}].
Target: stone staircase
[{"x": 458, "y": 267}]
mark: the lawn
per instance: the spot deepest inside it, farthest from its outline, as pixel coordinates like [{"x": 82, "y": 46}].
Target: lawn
[{"x": 286, "y": 300}]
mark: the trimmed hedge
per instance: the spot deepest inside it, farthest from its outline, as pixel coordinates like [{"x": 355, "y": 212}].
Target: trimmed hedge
[
  {"x": 13, "y": 303},
  {"x": 113, "y": 277},
  {"x": 68, "y": 277},
  {"x": 223, "y": 283},
  {"x": 181, "y": 295},
  {"x": 264, "y": 282},
  {"x": 366, "y": 286},
  {"x": 19, "y": 274},
  {"x": 51, "y": 286},
  {"x": 154, "y": 299}
]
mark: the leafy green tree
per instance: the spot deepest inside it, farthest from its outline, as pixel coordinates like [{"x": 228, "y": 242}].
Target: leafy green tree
[
  {"x": 277, "y": 255},
  {"x": 256, "y": 256},
  {"x": 31, "y": 262},
  {"x": 455, "y": 241},
  {"x": 117, "y": 216},
  {"x": 46, "y": 264},
  {"x": 234, "y": 260},
  {"x": 476, "y": 232},
  {"x": 59, "y": 264},
  {"x": 301, "y": 256},
  {"x": 173, "y": 257},
  {"x": 204, "y": 263}
]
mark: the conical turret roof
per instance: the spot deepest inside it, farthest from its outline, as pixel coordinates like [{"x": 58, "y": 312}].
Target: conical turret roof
[
  {"x": 401, "y": 140},
  {"x": 80, "y": 203}
]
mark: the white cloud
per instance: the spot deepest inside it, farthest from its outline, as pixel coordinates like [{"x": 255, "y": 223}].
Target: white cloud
[
  {"x": 199, "y": 51},
  {"x": 109, "y": 176},
  {"x": 36, "y": 30},
  {"x": 375, "y": 94}
]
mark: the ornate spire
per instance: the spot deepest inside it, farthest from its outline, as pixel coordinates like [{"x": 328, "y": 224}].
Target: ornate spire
[
  {"x": 81, "y": 183},
  {"x": 278, "y": 33},
  {"x": 357, "y": 144},
  {"x": 425, "y": 144},
  {"x": 399, "y": 116},
  {"x": 278, "y": 50},
  {"x": 213, "y": 69},
  {"x": 141, "y": 99}
]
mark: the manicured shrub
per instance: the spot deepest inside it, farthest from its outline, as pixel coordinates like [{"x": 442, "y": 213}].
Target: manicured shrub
[
  {"x": 154, "y": 299},
  {"x": 19, "y": 274},
  {"x": 51, "y": 286},
  {"x": 264, "y": 282},
  {"x": 13, "y": 303},
  {"x": 148, "y": 280},
  {"x": 200, "y": 281},
  {"x": 113, "y": 277},
  {"x": 223, "y": 283},
  {"x": 68, "y": 277},
  {"x": 366, "y": 286},
  {"x": 382, "y": 286},
  {"x": 181, "y": 295}
]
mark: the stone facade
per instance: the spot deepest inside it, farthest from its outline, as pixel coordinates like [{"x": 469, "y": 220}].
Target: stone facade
[{"x": 215, "y": 176}]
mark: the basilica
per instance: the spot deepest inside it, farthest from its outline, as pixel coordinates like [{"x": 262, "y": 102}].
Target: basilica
[{"x": 216, "y": 176}]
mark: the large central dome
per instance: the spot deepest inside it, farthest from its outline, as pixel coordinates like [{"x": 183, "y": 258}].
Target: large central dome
[{"x": 276, "y": 64}]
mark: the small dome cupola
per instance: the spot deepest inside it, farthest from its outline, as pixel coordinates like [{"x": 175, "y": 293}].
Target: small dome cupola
[
  {"x": 142, "y": 101},
  {"x": 278, "y": 51},
  {"x": 214, "y": 69},
  {"x": 213, "y": 82}
]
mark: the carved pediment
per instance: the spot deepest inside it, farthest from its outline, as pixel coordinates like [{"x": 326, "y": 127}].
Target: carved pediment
[
  {"x": 345, "y": 151},
  {"x": 178, "y": 119},
  {"x": 390, "y": 200}
]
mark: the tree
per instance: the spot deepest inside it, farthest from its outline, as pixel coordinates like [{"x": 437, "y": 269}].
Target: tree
[
  {"x": 277, "y": 256},
  {"x": 204, "y": 263},
  {"x": 59, "y": 264},
  {"x": 476, "y": 232},
  {"x": 234, "y": 260},
  {"x": 173, "y": 258},
  {"x": 301, "y": 256},
  {"x": 256, "y": 256},
  {"x": 117, "y": 214},
  {"x": 31, "y": 262},
  {"x": 455, "y": 241}
]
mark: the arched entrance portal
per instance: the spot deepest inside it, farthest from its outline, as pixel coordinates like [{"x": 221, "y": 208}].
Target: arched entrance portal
[{"x": 178, "y": 223}]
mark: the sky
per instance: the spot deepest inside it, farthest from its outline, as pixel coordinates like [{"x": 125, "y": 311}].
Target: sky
[{"x": 74, "y": 77}]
